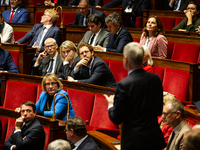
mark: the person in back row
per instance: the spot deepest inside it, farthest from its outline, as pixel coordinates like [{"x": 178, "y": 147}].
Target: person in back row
[
  {"x": 93, "y": 3},
  {"x": 91, "y": 69},
  {"x": 176, "y": 5},
  {"x": 119, "y": 36},
  {"x": 96, "y": 35}
]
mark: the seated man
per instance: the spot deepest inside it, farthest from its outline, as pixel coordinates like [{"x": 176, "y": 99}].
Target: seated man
[
  {"x": 176, "y": 5},
  {"x": 173, "y": 115},
  {"x": 6, "y": 31},
  {"x": 59, "y": 144},
  {"x": 16, "y": 14},
  {"x": 28, "y": 133},
  {"x": 85, "y": 11},
  {"x": 191, "y": 140},
  {"x": 118, "y": 36},
  {"x": 51, "y": 61},
  {"x": 91, "y": 69},
  {"x": 76, "y": 133},
  {"x": 40, "y": 32},
  {"x": 7, "y": 63},
  {"x": 96, "y": 36},
  {"x": 93, "y": 3}
]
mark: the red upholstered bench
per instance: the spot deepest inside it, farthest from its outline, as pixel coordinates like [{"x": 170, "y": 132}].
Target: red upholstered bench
[
  {"x": 170, "y": 48},
  {"x": 136, "y": 40},
  {"x": 19, "y": 35},
  {"x": 4, "y": 122},
  {"x": 159, "y": 71},
  {"x": 178, "y": 20},
  {"x": 139, "y": 22},
  {"x": 167, "y": 22},
  {"x": 68, "y": 18},
  {"x": 15, "y": 57}
]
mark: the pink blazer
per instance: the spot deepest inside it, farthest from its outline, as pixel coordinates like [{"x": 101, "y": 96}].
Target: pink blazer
[{"x": 157, "y": 45}]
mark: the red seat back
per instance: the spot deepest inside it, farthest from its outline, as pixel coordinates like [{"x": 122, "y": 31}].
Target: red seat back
[
  {"x": 82, "y": 102},
  {"x": 47, "y": 137},
  {"x": 170, "y": 47},
  {"x": 167, "y": 22},
  {"x": 136, "y": 40},
  {"x": 4, "y": 122},
  {"x": 37, "y": 2},
  {"x": 19, "y": 35},
  {"x": 178, "y": 20},
  {"x": 68, "y": 18},
  {"x": 106, "y": 61},
  {"x": 19, "y": 92},
  {"x": 10, "y": 128},
  {"x": 15, "y": 57},
  {"x": 139, "y": 22},
  {"x": 117, "y": 68},
  {"x": 185, "y": 52},
  {"x": 177, "y": 83},
  {"x": 39, "y": 91},
  {"x": 159, "y": 71}
]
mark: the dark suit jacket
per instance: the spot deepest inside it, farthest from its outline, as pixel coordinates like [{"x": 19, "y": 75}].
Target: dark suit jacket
[
  {"x": 100, "y": 74},
  {"x": 61, "y": 2},
  {"x": 137, "y": 104},
  {"x": 41, "y": 70},
  {"x": 137, "y": 10},
  {"x": 66, "y": 71},
  {"x": 182, "y": 7},
  {"x": 102, "y": 38},
  {"x": 79, "y": 17},
  {"x": 21, "y": 16},
  {"x": 35, "y": 138},
  {"x": 118, "y": 44},
  {"x": 53, "y": 32},
  {"x": 93, "y": 3},
  {"x": 88, "y": 144}
]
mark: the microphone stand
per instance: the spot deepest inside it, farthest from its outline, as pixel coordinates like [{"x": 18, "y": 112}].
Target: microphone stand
[{"x": 61, "y": 23}]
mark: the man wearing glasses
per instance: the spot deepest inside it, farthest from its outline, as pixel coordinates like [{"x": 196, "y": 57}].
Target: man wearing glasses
[
  {"x": 173, "y": 115},
  {"x": 40, "y": 32},
  {"x": 48, "y": 61},
  {"x": 85, "y": 11}
]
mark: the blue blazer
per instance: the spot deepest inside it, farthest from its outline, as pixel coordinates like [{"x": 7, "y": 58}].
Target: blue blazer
[
  {"x": 21, "y": 16},
  {"x": 118, "y": 44},
  {"x": 53, "y": 32},
  {"x": 60, "y": 106},
  {"x": 35, "y": 138},
  {"x": 79, "y": 17}
]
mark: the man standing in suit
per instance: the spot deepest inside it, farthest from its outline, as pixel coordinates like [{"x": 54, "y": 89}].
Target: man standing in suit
[
  {"x": 176, "y": 5},
  {"x": 76, "y": 133},
  {"x": 40, "y": 32},
  {"x": 85, "y": 11},
  {"x": 118, "y": 36},
  {"x": 135, "y": 7},
  {"x": 91, "y": 69},
  {"x": 137, "y": 103},
  {"x": 93, "y": 3},
  {"x": 173, "y": 115},
  {"x": 96, "y": 36},
  {"x": 16, "y": 14},
  {"x": 51, "y": 61},
  {"x": 28, "y": 133}
]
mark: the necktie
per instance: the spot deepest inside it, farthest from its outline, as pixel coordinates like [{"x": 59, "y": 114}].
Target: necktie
[
  {"x": 92, "y": 39},
  {"x": 23, "y": 127},
  {"x": 172, "y": 137},
  {"x": 39, "y": 37},
  {"x": 12, "y": 14},
  {"x": 51, "y": 67}
]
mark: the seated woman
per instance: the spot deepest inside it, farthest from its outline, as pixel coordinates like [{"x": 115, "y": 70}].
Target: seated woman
[
  {"x": 70, "y": 58},
  {"x": 50, "y": 86},
  {"x": 147, "y": 60},
  {"x": 192, "y": 19},
  {"x": 153, "y": 37}
]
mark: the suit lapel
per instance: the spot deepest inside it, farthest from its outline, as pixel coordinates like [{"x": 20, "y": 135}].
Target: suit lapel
[
  {"x": 82, "y": 144},
  {"x": 57, "y": 63},
  {"x": 98, "y": 38},
  {"x": 46, "y": 64},
  {"x": 16, "y": 14},
  {"x": 48, "y": 32}
]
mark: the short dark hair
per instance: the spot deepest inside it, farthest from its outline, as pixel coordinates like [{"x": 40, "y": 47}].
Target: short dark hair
[
  {"x": 29, "y": 103},
  {"x": 195, "y": 3},
  {"x": 85, "y": 44},
  {"x": 95, "y": 18},
  {"x": 159, "y": 30},
  {"x": 114, "y": 18},
  {"x": 78, "y": 125}
]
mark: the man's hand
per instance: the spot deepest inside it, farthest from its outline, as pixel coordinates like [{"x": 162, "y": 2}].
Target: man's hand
[
  {"x": 83, "y": 61},
  {"x": 110, "y": 99},
  {"x": 17, "y": 110},
  {"x": 171, "y": 2},
  {"x": 14, "y": 147},
  {"x": 198, "y": 29},
  {"x": 18, "y": 123},
  {"x": 98, "y": 6},
  {"x": 70, "y": 56},
  {"x": 40, "y": 57},
  {"x": 37, "y": 48},
  {"x": 181, "y": 30},
  {"x": 48, "y": 3},
  {"x": 70, "y": 79},
  {"x": 98, "y": 48}
]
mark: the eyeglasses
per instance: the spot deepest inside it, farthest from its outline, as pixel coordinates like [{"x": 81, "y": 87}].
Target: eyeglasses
[
  {"x": 52, "y": 84},
  {"x": 83, "y": 8},
  {"x": 86, "y": 52},
  {"x": 166, "y": 114},
  {"x": 50, "y": 46},
  {"x": 191, "y": 8}
]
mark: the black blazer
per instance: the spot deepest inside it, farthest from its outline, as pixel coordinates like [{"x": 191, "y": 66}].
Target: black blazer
[
  {"x": 182, "y": 7},
  {"x": 100, "y": 74},
  {"x": 93, "y": 3},
  {"x": 137, "y": 104},
  {"x": 88, "y": 144},
  {"x": 35, "y": 138}
]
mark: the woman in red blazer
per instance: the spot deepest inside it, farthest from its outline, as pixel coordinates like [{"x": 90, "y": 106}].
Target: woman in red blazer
[{"x": 153, "y": 37}]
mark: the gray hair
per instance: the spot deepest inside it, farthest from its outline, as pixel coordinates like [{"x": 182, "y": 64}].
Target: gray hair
[
  {"x": 114, "y": 18},
  {"x": 85, "y": 1},
  {"x": 135, "y": 53},
  {"x": 50, "y": 39},
  {"x": 59, "y": 144},
  {"x": 148, "y": 53},
  {"x": 192, "y": 140},
  {"x": 176, "y": 105}
]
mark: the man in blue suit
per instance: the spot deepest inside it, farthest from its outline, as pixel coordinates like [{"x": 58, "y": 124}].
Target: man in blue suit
[
  {"x": 85, "y": 11},
  {"x": 40, "y": 32},
  {"x": 28, "y": 133},
  {"x": 118, "y": 36},
  {"x": 16, "y": 13}
]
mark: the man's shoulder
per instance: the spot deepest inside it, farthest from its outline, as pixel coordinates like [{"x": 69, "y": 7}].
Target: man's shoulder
[
  {"x": 124, "y": 31},
  {"x": 4, "y": 51},
  {"x": 97, "y": 11},
  {"x": 88, "y": 143},
  {"x": 185, "y": 127},
  {"x": 104, "y": 32},
  {"x": 23, "y": 9}
]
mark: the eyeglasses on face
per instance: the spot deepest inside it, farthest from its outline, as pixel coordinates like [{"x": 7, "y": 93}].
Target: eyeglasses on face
[
  {"x": 166, "y": 114},
  {"x": 83, "y": 8},
  {"x": 52, "y": 84},
  {"x": 49, "y": 46}
]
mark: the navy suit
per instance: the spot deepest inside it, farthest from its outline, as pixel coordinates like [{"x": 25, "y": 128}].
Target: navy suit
[
  {"x": 35, "y": 138},
  {"x": 20, "y": 16},
  {"x": 88, "y": 144},
  {"x": 6, "y": 62},
  {"x": 79, "y": 17},
  {"x": 117, "y": 45},
  {"x": 182, "y": 7},
  {"x": 137, "y": 104},
  {"x": 53, "y": 32},
  {"x": 100, "y": 74},
  {"x": 93, "y": 3}
]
